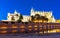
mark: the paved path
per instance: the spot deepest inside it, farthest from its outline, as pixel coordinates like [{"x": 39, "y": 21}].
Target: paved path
[{"x": 30, "y": 36}]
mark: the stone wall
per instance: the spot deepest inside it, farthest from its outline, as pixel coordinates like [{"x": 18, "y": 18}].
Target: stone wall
[{"x": 25, "y": 27}]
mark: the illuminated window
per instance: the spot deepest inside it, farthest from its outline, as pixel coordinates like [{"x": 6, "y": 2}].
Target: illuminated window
[
  {"x": 3, "y": 27},
  {"x": 3, "y": 31},
  {"x": 14, "y": 26},
  {"x": 14, "y": 31},
  {"x": 35, "y": 26},
  {"x": 30, "y": 29},
  {"x": 29, "y": 26},
  {"x": 22, "y": 26}
]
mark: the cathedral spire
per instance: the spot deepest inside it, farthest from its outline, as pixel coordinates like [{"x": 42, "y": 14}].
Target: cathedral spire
[
  {"x": 32, "y": 9},
  {"x": 8, "y": 14},
  {"x": 15, "y": 12}
]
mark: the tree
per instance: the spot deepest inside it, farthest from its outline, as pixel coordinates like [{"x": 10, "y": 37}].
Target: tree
[
  {"x": 32, "y": 18},
  {"x": 12, "y": 18},
  {"x": 20, "y": 18},
  {"x": 37, "y": 16}
]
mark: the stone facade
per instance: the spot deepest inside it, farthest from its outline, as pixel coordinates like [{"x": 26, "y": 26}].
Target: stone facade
[
  {"x": 13, "y": 17},
  {"x": 47, "y": 14}
]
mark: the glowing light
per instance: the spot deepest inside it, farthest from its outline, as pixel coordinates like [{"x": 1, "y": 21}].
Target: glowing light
[
  {"x": 29, "y": 26},
  {"x": 22, "y": 26},
  {"x": 3, "y": 27},
  {"x": 14, "y": 31},
  {"x": 30, "y": 29},
  {"x": 14, "y": 27},
  {"x": 57, "y": 30},
  {"x": 35, "y": 28},
  {"x": 4, "y": 31}
]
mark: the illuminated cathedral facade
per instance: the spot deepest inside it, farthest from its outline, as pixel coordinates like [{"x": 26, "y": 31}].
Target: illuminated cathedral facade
[
  {"x": 35, "y": 16},
  {"x": 36, "y": 22}
]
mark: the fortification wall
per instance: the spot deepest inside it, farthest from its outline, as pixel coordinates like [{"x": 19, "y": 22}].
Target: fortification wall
[{"x": 25, "y": 27}]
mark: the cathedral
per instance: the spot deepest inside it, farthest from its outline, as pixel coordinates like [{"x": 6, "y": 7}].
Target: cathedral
[
  {"x": 43, "y": 16},
  {"x": 36, "y": 22}
]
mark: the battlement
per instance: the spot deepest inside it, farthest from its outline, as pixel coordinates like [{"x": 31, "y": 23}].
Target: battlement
[{"x": 28, "y": 27}]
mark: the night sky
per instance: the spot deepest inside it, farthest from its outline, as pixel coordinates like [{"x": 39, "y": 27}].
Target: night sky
[{"x": 24, "y": 7}]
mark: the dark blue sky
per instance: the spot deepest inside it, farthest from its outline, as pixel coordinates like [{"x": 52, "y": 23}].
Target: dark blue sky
[{"x": 24, "y": 7}]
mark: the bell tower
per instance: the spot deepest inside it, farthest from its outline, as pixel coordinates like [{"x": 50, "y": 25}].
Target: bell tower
[{"x": 32, "y": 12}]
